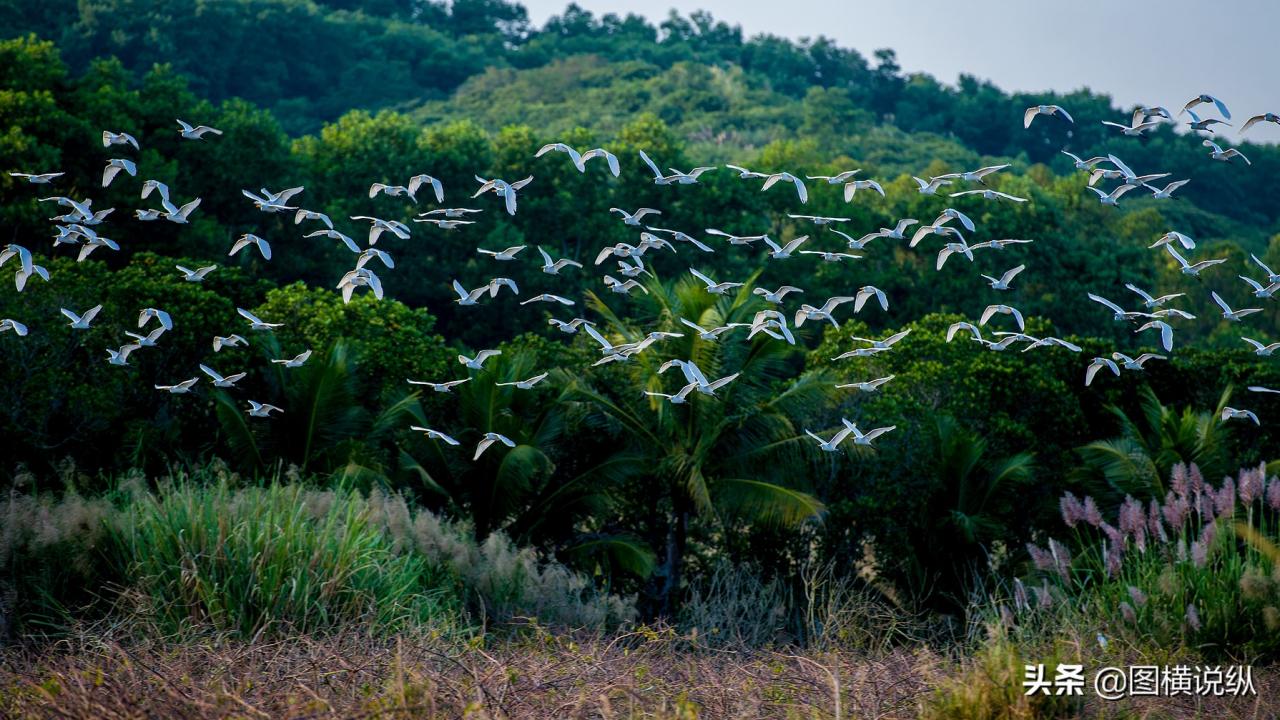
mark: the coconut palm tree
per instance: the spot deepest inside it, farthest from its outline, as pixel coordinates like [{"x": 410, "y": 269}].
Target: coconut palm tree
[
  {"x": 325, "y": 427},
  {"x": 1150, "y": 443},
  {"x": 972, "y": 501},
  {"x": 736, "y": 455},
  {"x": 541, "y": 492}
]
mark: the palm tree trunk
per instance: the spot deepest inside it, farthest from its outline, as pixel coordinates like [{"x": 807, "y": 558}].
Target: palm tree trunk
[{"x": 677, "y": 539}]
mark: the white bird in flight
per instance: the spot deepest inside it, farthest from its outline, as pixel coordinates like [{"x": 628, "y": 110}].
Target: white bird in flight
[
  {"x": 81, "y": 322},
  {"x": 477, "y": 362},
  {"x": 809, "y": 312},
  {"x": 1206, "y": 98},
  {"x": 1262, "y": 350},
  {"x": 713, "y": 287},
  {"x": 7, "y": 324},
  {"x": 257, "y": 409},
  {"x": 860, "y": 438},
  {"x": 1230, "y": 413},
  {"x": 851, "y": 188},
  {"x": 1228, "y": 313},
  {"x": 419, "y": 180},
  {"x": 440, "y": 387},
  {"x": 220, "y": 342},
  {"x": 1150, "y": 301},
  {"x": 677, "y": 177},
  {"x": 181, "y": 388},
  {"x": 37, "y": 178},
  {"x": 678, "y": 398},
  {"x": 634, "y": 218},
  {"x": 195, "y": 133},
  {"x": 256, "y": 323},
  {"x": 1264, "y": 117},
  {"x": 993, "y": 310},
  {"x": 116, "y": 357},
  {"x": 112, "y": 138},
  {"x": 489, "y": 439},
  {"x": 1225, "y": 155},
  {"x": 775, "y": 178},
  {"x": 837, "y": 179},
  {"x": 294, "y": 362},
  {"x": 1002, "y": 282},
  {"x": 219, "y": 380},
  {"x": 244, "y": 241},
  {"x": 506, "y": 255},
  {"x": 526, "y": 384},
  {"x": 553, "y": 267},
  {"x": 113, "y": 168},
  {"x": 1189, "y": 268},
  {"x": 197, "y": 275},
  {"x": 1035, "y": 110},
  {"x": 930, "y": 186},
  {"x": 434, "y": 434},
  {"x": 866, "y": 386},
  {"x": 1097, "y": 364}
]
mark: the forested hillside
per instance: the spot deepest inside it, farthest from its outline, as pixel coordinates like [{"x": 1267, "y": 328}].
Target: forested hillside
[{"x": 638, "y": 493}]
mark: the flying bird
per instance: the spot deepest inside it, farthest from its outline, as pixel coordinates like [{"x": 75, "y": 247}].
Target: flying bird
[
  {"x": 111, "y": 138},
  {"x": 489, "y": 439},
  {"x": 1228, "y": 313},
  {"x": 7, "y": 324},
  {"x": 434, "y": 434},
  {"x": 1264, "y": 117},
  {"x": 477, "y": 362},
  {"x": 244, "y": 241},
  {"x": 526, "y": 384},
  {"x": 113, "y": 168},
  {"x": 553, "y": 267},
  {"x": 257, "y": 409},
  {"x": 195, "y": 133},
  {"x": 219, "y": 380},
  {"x": 256, "y": 323},
  {"x": 294, "y": 362},
  {"x": 81, "y": 322},
  {"x": 1199, "y": 99},
  {"x": 441, "y": 387},
  {"x": 197, "y": 275},
  {"x": 1035, "y": 110},
  {"x": 37, "y": 178},
  {"x": 1097, "y": 364},
  {"x": 1230, "y": 413},
  {"x": 1002, "y": 282}
]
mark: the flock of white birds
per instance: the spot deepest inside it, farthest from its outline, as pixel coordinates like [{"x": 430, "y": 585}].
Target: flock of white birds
[{"x": 78, "y": 227}]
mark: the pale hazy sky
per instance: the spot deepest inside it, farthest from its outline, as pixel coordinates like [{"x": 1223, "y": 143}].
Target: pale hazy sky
[{"x": 1160, "y": 52}]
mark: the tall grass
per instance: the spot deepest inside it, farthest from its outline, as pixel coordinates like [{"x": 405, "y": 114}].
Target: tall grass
[
  {"x": 202, "y": 549},
  {"x": 251, "y": 558},
  {"x": 1189, "y": 570}
]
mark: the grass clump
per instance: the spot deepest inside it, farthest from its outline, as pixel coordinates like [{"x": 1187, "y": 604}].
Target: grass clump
[{"x": 252, "y": 558}]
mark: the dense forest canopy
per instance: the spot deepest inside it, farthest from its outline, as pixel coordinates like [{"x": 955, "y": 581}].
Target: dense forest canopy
[{"x": 336, "y": 95}]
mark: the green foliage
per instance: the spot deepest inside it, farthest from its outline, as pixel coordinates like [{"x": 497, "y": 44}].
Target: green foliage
[{"x": 265, "y": 559}]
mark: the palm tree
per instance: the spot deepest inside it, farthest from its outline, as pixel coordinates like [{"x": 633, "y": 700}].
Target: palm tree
[
  {"x": 325, "y": 426},
  {"x": 972, "y": 502},
  {"x": 1150, "y": 443},
  {"x": 539, "y": 492},
  {"x": 733, "y": 455}
]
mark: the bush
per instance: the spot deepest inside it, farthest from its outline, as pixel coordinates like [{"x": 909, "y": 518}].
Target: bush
[
  {"x": 253, "y": 558},
  {"x": 499, "y": 580},
  {"x": 201, "y": 550}
]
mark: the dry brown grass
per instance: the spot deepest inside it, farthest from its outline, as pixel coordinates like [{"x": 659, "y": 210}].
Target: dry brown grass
[
  {"x": 125, "y": 673},
  {"x": 649, "y": 673}
]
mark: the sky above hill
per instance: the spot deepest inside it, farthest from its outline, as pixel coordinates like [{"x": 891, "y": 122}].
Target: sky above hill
[{"x": 1138, "y": 52}]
